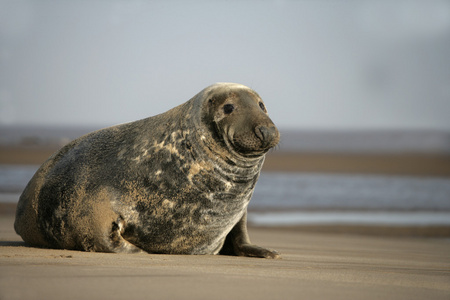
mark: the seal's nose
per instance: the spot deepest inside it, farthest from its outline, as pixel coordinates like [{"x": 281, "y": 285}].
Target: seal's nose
[{"x": 268, "y": 135}]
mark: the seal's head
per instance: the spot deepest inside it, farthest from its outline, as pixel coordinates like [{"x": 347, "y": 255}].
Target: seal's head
[{"x": 238, "y": 117}]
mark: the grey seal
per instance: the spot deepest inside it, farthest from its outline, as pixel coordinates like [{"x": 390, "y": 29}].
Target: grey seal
[{"x": 175, "y": 183}]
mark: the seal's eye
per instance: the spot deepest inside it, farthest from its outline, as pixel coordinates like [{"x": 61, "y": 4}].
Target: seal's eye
[
  {"x": 228, "y": 108},
  {"x": 262, "y": 106}
]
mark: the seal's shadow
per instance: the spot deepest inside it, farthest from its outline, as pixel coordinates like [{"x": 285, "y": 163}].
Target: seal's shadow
[{"x": 13, "y": 244}]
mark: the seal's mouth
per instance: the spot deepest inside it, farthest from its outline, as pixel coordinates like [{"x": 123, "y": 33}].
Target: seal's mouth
[{"x": 254, "y": 144}]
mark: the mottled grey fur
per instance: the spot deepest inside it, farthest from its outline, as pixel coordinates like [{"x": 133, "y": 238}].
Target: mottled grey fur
[{"x": 178, "y": 182}]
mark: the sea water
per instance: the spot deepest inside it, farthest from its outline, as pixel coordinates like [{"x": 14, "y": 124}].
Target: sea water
[{"x": 314, "y": 198}]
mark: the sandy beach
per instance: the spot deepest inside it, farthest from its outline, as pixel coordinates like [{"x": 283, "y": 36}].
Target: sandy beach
[
  {"x": 314, "y": 266},
  {"x": 321, "y": 262}
]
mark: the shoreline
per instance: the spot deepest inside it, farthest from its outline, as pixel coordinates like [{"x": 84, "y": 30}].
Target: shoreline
[
  {"x": 8, "y": 210},
  {"x": 388, "y": 164}
]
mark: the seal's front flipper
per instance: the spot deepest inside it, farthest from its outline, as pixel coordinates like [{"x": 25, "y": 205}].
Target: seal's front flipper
[
  {"x": 256, "y": 251},
  {"x": 238, "y": 243}
]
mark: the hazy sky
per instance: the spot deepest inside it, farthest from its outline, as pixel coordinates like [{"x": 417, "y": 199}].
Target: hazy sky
[{"x": 317, "y": 64}]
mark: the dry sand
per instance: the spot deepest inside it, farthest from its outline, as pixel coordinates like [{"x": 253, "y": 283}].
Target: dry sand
[{"x": 314, "y": 266}]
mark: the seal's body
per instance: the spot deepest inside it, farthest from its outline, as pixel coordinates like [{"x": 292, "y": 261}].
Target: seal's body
[{"x": 178, "y": 182}]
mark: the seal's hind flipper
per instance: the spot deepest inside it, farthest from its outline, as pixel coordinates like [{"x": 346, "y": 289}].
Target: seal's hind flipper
[{"x": 117, "y": 243}]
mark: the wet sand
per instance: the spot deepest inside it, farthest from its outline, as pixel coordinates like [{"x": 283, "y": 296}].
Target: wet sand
[
  {"x": 314, "y": 266},
  {"x": 418, "y": 164},
  {"x": 409, "y": 164}
]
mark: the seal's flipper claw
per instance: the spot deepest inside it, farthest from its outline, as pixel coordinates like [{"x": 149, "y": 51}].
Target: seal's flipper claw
[{"x": 256, "y": 251}]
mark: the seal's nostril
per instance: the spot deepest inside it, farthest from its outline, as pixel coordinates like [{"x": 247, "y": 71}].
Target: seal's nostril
[
  {"x": 259, "y": 133},
  {"x": 266, "y": 134}
]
